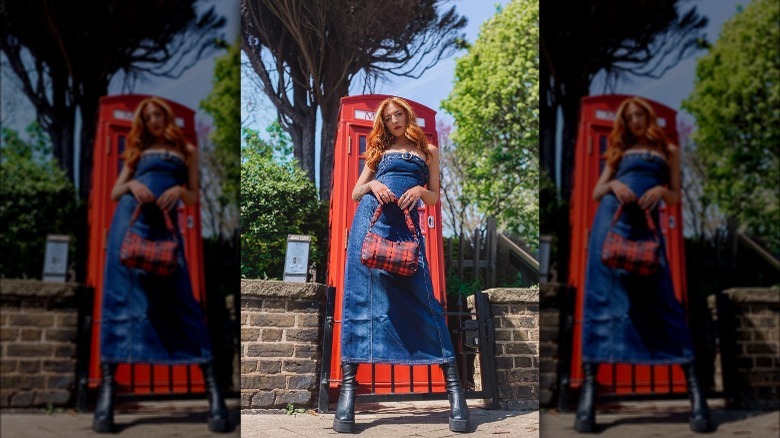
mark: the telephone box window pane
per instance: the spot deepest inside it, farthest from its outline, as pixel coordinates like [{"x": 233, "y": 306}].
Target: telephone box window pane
[
  {"x": 120, "y": 148},
  {"x": 602, "y": 151},
  {"x": 362, "y": 150}
]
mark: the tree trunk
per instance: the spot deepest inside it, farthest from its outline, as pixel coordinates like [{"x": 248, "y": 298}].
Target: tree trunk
[
  {"x": 330, "y": 115},
  {"x": 547, "y": 120}
]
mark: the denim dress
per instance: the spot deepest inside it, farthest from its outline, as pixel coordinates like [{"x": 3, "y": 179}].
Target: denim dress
[
  {"x": 629, "y": 318},
  {"x": 145, "y": 318},
  {"x": 389, "y": 318}
]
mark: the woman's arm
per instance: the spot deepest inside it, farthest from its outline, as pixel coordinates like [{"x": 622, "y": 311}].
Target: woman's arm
[
  {"x": 125, "y": 184},
  {"x": 366, "y": 183},
  {"x": 429, "y": 196},
  {"x": 362, "y": 185},
  {"x": 671, "y": 196},
  {"x": 607, "y": 183}
]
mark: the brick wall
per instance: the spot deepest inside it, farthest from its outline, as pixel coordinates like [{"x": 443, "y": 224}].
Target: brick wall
[
  {"x": 749, "y": 321},
  {"x": 516, "y": 321},
  {"x": 549, "y": 341},
  {"x": 281, "y": 329},
  {"x": 38, "y": 330}
]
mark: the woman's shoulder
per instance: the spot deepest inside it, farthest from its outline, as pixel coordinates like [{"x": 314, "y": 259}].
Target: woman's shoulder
[{"x": 433, "y": 150}]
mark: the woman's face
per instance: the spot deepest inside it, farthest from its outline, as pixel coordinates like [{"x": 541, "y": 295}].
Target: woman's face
[
  {"x": 154, "y": 120},
  {"x": 636, "y": 120},
  {"x": 394, "y": 118}
]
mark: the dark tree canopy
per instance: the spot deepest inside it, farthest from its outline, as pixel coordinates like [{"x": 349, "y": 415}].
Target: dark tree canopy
[
  {"x": 307, "y": 52},
  {"x": 66, "y": 53},
  {"x": 620, "y": 37},
  {"x": 578, "y": 40}
]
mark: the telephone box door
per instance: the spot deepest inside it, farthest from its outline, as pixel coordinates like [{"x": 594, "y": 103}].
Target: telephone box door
[
  {"x": 597, "y": 115},
  {"x": 114, "y": 123},
  {"x": 355, "y": 122}
]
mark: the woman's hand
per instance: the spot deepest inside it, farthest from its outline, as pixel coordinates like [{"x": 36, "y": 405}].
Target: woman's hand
[
  {"x": 168, "y": 199},
  {"x": 410, "y": 197},
  {"x": 140, "y": 192},
  {"x": 382, "y": 192},
  {"x": 622, "y": 192},
  {"x": 651, "y": 198}
]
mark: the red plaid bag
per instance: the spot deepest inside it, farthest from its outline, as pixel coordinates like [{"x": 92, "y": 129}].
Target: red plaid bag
[
  {"x": 157, "y": 257},
  {"x": 639, "y": 257},
  {"x": 396, "y": 257}
]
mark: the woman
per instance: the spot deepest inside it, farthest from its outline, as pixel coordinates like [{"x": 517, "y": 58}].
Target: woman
[
  {"x": 148, "y": 318},
  {"x": 390, "y": 318},
  {"x": 630, "y": 318}
]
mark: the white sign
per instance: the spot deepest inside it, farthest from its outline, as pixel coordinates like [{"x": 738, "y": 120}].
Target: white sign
[
  {"x": 296, "y": 261},
  {"x": 610, "y": 115},
  {"x": 369, "y": 115},
  {"x": 605, "y": 115},
  {"x": 128, "y": 115},
  {"x": 55, "y": 262},
  {"x": 364, "y": 115}
]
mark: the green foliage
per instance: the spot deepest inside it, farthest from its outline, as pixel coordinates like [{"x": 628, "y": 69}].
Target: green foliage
[
  {"x": 224, "y": 106},
  {"x": 736, "y": 102},
  {"x": 277, "y": 199},
  {"x": 291, "y": 410},
  {"x": 37, "y": 199},
  {"x": 495, "y": 103}
]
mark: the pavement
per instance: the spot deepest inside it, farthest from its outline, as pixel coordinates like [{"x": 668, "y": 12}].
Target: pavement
[
  {"x": 428, "y": 419},
  {"x": 179, "y": 418},
  {"x": 666, "y": 419}
]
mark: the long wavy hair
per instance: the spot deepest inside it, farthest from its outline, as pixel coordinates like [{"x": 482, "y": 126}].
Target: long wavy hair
[
  {"x": 139, "y": 139},
  {"x": 621, "y": 138},
  {"x": 380, "y": 138}
]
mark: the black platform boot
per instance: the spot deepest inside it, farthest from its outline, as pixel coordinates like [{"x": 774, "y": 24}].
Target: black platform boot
[
  {"x": 104, "y": 408},
  {"x": 218, "y": 415},
  {"x": 459, "y": 411},
  {"x": 700, "y": 413},
  {"x": 344, "y": 420},
  {"x": 585, "y": 421}
]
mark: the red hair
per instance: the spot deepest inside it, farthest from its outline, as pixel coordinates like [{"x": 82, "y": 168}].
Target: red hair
[
  {"x": 621, "y": 138},
  {"x": 139, "y": 139},
  {"x": 380, "y": 138}
]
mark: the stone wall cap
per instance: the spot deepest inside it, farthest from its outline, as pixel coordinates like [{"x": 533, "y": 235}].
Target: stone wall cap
[
  {"x": 512, "y": 295},
  {"x": 281, "y": 289},
  {"x": 754, "y": 294},
  {"x": 33, "y": 288}
]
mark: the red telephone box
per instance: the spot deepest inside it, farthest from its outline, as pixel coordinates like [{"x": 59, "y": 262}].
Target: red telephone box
[
  {"x": 356, "y": 118},
  {"x": 597, "y": 114},
  {"x": 114, "y": 122}
]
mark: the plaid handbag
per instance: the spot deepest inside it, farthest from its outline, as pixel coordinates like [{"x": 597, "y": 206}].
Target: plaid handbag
[
  {"x": 157, "y": 257},
  {"x": 396, "y": 257},
  {"x": 639, "y": 257}
]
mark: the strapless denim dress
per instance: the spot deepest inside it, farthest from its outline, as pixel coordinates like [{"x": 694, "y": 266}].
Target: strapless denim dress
[
  {"x": 629, "y": 318},
  {"x": 144, "y": 318},
  {"x": 389, "y": 318}
]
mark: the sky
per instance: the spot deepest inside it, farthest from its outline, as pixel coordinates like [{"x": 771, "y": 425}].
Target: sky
[
  {"x": 677, "y": 84},
  {"x": 430, "y": 89},
  {"x": 436, "y": 84},
  {"x": 192, "y": 87}
]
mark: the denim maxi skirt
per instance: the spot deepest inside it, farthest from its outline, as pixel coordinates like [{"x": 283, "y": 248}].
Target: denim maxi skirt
[
  {"x": 629, "y": 318},
  {"x": 388, "y": 318},
  {"x": 149, "y": 319}
]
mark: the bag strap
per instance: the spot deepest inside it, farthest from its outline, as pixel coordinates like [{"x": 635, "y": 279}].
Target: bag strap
[
  {"x": 407, "y": 218},
  {"x": 166, "y": 216},
  {"x": 648, "y": 218}
]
